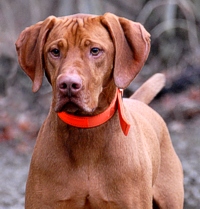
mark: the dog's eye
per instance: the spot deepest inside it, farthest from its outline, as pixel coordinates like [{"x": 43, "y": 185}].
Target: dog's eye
[
  {"x": 95, "y": 51},
  {"x": 55, "y": 52}
]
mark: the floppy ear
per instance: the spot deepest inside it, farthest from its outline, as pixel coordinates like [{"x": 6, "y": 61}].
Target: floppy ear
[
  {"x": 132, "y": 46},
  {"x": 30, "y": 50}
]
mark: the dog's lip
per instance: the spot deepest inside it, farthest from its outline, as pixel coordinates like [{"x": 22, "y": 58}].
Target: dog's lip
[
  {"x": 67, "y": 105},
  {"x": 60, "y": 104},
  {"x": 72, "y": 106}
]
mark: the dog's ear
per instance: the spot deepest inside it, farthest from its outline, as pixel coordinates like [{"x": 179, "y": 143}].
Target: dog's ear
[
  {"x": 30, "y": 50},
  {"x": 132, "y": 46}
]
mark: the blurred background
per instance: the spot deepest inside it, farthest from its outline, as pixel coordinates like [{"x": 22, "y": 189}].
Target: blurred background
[{"x": 174, "y": 26}]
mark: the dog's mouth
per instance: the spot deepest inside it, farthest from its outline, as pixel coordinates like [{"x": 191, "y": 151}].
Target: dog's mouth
[
  {"x": 70, "y": 107},
  {"x": 73, "y": 106}
]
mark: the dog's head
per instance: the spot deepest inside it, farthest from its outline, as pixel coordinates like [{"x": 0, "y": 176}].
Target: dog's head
[{"x": 84, "y": 58}]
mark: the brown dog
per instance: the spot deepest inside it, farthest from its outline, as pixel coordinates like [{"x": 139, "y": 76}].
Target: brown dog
[{"x": 93, "y": 152}]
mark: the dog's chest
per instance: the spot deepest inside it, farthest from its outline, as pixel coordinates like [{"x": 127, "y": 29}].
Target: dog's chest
[
  {"x": 98, "y": 189},
  {"x": 92, "y": 172},
  {"x": 104, "y": 178}
]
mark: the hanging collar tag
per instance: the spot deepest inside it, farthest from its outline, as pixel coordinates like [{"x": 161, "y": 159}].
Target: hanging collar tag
[{"x": 125, "y": 125}]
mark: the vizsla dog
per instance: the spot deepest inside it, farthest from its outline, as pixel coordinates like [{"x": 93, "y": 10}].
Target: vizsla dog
[{"x": 95, "y": 151}]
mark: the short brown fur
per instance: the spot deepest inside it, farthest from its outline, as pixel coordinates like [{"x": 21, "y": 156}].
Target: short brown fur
[{"x": 97, "y": 168}]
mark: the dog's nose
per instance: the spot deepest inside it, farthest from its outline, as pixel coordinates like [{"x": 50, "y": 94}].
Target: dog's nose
[{"x": 69, "y": 85}]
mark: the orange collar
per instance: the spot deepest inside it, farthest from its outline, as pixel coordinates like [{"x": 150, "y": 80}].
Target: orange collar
[{"x": 96, "y": 120}]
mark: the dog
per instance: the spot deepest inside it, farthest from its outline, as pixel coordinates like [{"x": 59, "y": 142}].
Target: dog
[{"x": 96, "y": 150}]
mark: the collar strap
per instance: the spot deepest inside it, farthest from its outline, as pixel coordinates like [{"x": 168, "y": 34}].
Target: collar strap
[{"x": 96, "y": 120}]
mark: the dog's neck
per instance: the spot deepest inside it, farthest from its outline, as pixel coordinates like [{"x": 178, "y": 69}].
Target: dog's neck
[{"x": 96, "y": 120}]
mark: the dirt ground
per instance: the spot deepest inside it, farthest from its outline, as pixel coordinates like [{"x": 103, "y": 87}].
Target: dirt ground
[
  {"x": 15, "y": 158},
  {"x": 186, "y": 140}
]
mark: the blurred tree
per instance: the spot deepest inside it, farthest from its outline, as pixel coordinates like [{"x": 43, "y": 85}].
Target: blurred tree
[{"x": 80, "y": 6}]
